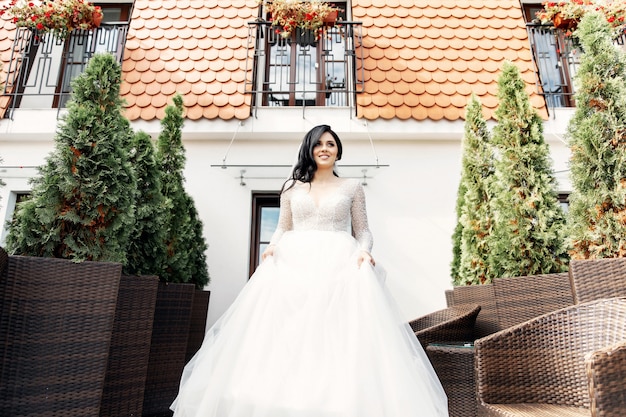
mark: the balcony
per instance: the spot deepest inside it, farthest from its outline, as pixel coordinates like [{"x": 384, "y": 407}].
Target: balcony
[
  {"x": 42, "y": 66},
  {"x": 557, "y": 59},
  {"x": 304, "y": 71}
]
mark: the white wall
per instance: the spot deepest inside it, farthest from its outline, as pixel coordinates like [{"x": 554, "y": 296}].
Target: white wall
[{"x": 410, "y": 203}]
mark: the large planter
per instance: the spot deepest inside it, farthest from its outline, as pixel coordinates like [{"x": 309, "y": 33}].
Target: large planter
[
  {"x": 130, "y": 347},
  {"x": 56, "y": 320},
  {"x": 168, "y": 347},
  {"x": 197, "y": 325}
]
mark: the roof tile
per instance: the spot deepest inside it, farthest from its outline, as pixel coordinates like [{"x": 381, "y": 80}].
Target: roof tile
[{"x": 423, "y": 58}]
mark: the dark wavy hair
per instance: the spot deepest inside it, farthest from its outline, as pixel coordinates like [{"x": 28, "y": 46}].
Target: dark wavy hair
[{"x": 305, "y": 167}]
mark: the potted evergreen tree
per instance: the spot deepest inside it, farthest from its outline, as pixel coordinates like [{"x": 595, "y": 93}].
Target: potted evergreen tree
[
  {"x": 68, "y": 243},
  {"x": 512, "y": 221},
  {"x": 182, "y": 273},
  {"x": 474, "y": 214},
  {"x": 596, "y": 138},
  {"x": 528, "y": 228},
  {"x": 132, "y": 332}
]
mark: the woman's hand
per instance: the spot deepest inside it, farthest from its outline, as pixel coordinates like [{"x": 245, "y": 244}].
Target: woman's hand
[
  {"x": 365, "y": 257},
  {"x": 269, "y": 251}
]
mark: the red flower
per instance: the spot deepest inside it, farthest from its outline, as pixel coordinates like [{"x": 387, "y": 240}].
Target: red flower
[{"x": 40, "y": 26}]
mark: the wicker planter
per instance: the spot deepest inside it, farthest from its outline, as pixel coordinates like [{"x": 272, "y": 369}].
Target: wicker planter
[
  {"x": 197, "y": 326},
  {"x": 130, "y": 347},
  {"x": 168, "y": 347},
  {"x": 56, "y": 320}
]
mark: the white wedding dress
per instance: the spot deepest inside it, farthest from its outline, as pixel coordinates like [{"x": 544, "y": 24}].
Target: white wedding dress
[{"x": 312, "y": 334}]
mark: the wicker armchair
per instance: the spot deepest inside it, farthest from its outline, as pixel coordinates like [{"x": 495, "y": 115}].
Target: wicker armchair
[
  {"x": 484, "y": 296},
  {"x": 452, "y": 324},
  {"x": 570, "y": 362},
  {"x": 592, "y": 279},
  {"x": 523, "y": 298}
]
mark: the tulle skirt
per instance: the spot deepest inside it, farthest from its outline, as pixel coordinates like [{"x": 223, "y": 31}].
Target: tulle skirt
[{"x": 311, "y": 335}]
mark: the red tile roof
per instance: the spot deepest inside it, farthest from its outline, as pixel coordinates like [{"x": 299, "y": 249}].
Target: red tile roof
[{"x": 422, "y": 58}]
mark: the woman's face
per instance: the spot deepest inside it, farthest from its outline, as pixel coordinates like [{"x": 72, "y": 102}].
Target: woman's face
[{"x": 325, "y": 151}]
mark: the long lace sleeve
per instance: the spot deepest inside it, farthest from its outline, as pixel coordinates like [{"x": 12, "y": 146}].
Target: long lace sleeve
[
  {"x": 360, "y": 227},
  {"x": 285, "y": 218}
]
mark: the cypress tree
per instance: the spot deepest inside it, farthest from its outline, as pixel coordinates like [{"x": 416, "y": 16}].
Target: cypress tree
[
  {"x": 528, "y": 230},
  {"x": 456, "y": 235},
  {"x": 146, "y": 250},
  {"x": 197, "y": 248},
  {"x": 183, "y": 240},
  {"x": 597, "y": 139},
  {"x": 82, "y": 201},
  {"x": 475, "y": 216}
]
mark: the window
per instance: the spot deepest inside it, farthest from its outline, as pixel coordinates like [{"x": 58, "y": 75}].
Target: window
[
  {"x": 556, "y": 58},
  {"x": 265, "y": 209},
  {"x": 41, "y": 68},
  {"x": 564, "y": 202},
  {"x": 305, "y": 71},
  {"x": 78, "y": 48},
  {"x": 15, "y": 198}
]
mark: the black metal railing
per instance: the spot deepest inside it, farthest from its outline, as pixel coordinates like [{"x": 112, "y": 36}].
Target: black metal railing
[
  {"x": 305, "y": 69},
  {"x": 42, "y": 66},
  {"x": 556, "y": 56}
]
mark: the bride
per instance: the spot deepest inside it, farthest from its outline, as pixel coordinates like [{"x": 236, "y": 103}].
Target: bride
[{"x": 315, "y": 332}]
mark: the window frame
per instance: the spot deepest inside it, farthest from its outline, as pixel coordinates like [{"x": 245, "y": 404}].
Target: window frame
[{"x": 260, "y": 200}]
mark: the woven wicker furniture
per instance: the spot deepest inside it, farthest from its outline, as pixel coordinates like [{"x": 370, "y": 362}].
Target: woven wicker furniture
[
  {"x": 454, "y": 364},
  {"x": 592, "y": 279},
  {"x": 168, "y": 347},
  {"x": 452, "y": 324},
  {"x": 522, "y": 298},
  {"x": 197, "y": 326},
  {"x": 485, "y": 297},
  {"x": 125, "y": 379},
  {"x": 548, "y": 366},
  {"x": 440, "y": 333},
  {"x": 56, "y": 320}
]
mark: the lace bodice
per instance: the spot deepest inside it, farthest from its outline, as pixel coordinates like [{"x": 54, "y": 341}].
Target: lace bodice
[{"x": 341, "y": 210}]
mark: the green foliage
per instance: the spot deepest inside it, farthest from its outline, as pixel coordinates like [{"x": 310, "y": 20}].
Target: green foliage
[
  {"x": 146, "y": 249},
  {"x": 183, "y": 235},
  {"x": 528, "y": 223},
  {"x": 82, "y": 204},
  {"x": 474, "y": 213},
  {"x": 597, "y": 139},
  {"x": 456, "y": 235},
  {"x": 197, "y": 247}
]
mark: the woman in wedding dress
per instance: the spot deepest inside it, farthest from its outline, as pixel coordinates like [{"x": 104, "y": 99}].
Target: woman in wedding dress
[{"x": 315, "y": 332}]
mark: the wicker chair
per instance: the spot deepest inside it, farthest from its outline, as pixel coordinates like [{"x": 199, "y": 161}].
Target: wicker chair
[
  {"x": 452, "y": 324},
  {"x": 523, "y": 298},
  {"x": 548, "y": 366},
  {"x": 592, "y": 279},
  {"x": 484, "y": 296},
  {"x": 440, "y": 333}
]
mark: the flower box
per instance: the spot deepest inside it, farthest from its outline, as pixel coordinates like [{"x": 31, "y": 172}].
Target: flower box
[{"x": 60, "y": 17}]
